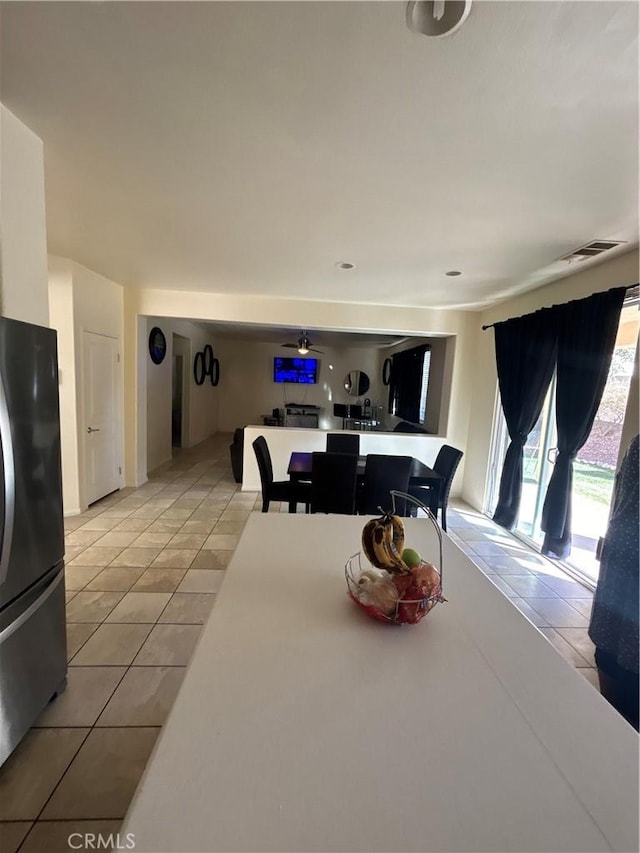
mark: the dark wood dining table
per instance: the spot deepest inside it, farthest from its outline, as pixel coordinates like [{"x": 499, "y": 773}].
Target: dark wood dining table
[{"x": 300, "y": 464}]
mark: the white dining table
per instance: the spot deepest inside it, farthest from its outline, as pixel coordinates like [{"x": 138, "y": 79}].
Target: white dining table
[{"x": 304, "y": 725}]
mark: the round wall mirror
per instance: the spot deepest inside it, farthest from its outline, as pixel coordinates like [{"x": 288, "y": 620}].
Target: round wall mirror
[{"x": 356, "y": 383}]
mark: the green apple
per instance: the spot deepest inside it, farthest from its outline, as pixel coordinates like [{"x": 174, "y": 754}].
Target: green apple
[{"x": 411, "y": 558}]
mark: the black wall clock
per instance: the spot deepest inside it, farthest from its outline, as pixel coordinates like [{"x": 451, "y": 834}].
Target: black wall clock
[{"x": 157, "y": 345}]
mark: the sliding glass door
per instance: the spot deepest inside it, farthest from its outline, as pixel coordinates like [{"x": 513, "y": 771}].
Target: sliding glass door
[
  {"x": 594, "y": 468},
  {"x": 539, "y": 456}
]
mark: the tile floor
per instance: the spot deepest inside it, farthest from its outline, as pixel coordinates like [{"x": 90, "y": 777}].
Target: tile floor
[{"x": 143, "y": 569}]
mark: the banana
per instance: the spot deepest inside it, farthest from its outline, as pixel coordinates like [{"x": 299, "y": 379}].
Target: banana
[
  {"x": 383, "y": 545},
  {"x": 383, "y": 541},
  {"x": 397, "y": 534},
  {"x": 370, "y": 531}
]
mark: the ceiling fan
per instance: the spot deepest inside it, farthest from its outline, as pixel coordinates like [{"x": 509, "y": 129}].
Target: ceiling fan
[{"x": 303, "y": 345}]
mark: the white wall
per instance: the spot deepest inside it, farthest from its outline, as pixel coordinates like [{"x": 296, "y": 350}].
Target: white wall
[
  {"x": 347, "y": 359},
  {"x": 619, "y": 271},
  {"x": 61, "y": 318},
  {"x": 98, "y": 308},
  {"x": 299, "y": 314},
  {"x": 247, "y": 389},
  {"x": 136, "y": 355},
  {"x": 159, "y": 402},
  {"x": 24, "y": 293},
  {"x": 202, "y": 420},
  {"x": 82, "y": 301}
]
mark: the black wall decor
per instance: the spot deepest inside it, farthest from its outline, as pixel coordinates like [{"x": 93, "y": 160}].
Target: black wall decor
[
  {"x": 157, "y": 345},
  {"x": 386, "y": 371},
  {"x": 215, "y": 372},
  {"x": 198, "y": 368},
  {"x": 204, "y": 364}
]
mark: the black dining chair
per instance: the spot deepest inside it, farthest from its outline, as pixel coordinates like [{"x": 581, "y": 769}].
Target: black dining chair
[
  {"x": 291, "y": 491},
  {"x": 333, "y": 482},
  {"x": 446, "y": 464},
  {"x": 382, "y": 474},
  {"x": 338, "y": 442}
]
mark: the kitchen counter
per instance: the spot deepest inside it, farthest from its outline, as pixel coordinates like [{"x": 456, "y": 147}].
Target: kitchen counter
[{"x": 303, "y": 725}]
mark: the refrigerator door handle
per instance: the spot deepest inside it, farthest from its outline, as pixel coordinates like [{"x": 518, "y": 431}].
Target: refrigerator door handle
[
  {"x": 8, "y": 485},
  {"x": 40, "y": 600}
]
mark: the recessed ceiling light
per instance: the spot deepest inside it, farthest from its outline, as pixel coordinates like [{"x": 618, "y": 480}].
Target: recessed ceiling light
[
  {"x": 345, "y": 265},
  {"x": 453, "y": 272}
]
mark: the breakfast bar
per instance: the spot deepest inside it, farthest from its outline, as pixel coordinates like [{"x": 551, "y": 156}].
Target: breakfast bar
[{"x": 304, "y": 725}]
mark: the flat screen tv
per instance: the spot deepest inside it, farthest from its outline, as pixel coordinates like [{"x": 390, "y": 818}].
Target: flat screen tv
[{"x": 301, "y": 370}]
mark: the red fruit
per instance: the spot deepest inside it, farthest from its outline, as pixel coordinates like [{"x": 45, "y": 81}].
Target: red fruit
[
  {"x": 422, "y": 584},
  {"x": 402, "y": 582},
  {"x": 428, "y": 575}
]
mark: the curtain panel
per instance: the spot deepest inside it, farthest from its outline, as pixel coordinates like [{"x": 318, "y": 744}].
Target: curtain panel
[
  {"x": 587, "y": 330},
  {"x": 525, "y": 357},
  {"x": 406, "y": 383}
]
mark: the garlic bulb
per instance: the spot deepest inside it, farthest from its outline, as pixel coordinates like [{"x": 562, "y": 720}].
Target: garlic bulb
[
  {"x": 373, "y": 575},
  {"x": 378, "y": 590}
]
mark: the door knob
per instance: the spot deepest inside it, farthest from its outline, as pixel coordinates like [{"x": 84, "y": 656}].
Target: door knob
[{"x": 93, "y": 429}]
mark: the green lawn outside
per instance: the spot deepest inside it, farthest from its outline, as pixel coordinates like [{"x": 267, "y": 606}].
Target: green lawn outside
[
  {"x": 593, "y": 481},
  {"x": 589, "y": 480}
]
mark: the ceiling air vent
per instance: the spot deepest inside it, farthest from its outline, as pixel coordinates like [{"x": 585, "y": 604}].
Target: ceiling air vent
[{"x": 591, "y": 250}]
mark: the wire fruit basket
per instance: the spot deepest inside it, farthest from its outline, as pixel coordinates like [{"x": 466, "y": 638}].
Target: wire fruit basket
[{"x": 403, "y": 598}]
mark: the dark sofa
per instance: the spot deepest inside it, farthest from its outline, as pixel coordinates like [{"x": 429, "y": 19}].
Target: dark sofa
[
  {"x": 405, "y": 426},
  {"x": 236, "y": 449}
]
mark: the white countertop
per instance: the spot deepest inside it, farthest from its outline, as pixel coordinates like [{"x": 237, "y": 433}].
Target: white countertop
[{"x": 303, "y": 725}]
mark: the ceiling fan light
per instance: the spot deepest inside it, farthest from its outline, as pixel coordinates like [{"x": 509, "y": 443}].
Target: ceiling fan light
[{"x": 303, "y": 350}]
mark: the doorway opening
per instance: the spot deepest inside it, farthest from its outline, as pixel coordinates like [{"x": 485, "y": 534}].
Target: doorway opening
[
  {"x": 594, "y": 467},
  {"x": 179, "y": 392},
  {"x": 176, "y": 402}
]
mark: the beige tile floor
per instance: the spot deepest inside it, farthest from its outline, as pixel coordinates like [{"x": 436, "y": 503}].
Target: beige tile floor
[{"x": 143, "y": 569}]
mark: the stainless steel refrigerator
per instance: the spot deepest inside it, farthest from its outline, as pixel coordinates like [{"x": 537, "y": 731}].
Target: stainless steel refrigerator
[{"x": 33, "y": 659}]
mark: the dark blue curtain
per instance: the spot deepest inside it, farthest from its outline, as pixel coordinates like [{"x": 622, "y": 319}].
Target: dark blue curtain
[
  {"x": 525, "y": 359},
  {"x": 587, "y": 330}
]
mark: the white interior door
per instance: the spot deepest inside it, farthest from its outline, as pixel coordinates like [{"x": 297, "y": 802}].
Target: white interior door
[{"x": 101, "y": 416}]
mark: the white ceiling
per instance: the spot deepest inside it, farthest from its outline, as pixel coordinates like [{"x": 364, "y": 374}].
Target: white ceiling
[{"x": 248, "y": 147}]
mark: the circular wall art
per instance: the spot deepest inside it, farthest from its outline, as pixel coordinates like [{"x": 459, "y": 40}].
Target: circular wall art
[
  {"x": 204, "y": 364},
  {"x": 386, "y": 371},
  {"x": 198, "y": 368},
  {"x": 157, "y": 345},
  {"x": 215, "y": 372},
  {"x": 207, "y": 353}
]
